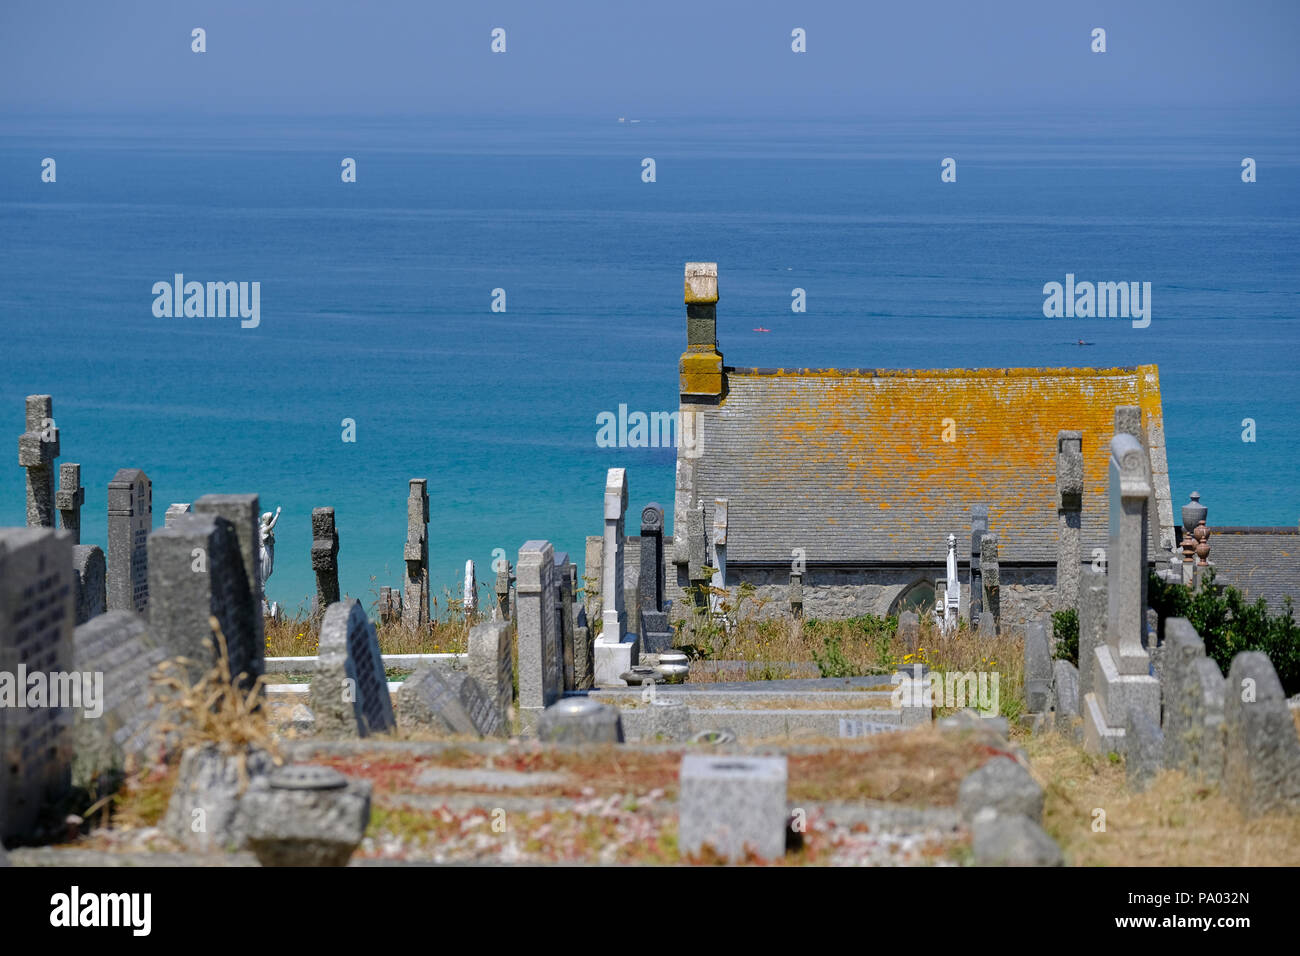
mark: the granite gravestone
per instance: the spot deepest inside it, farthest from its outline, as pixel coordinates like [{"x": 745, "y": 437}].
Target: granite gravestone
[
  {"x": 541, "y": 673},
  {"x": 117, "y": 645},
  {"x": 491, "y": 667},
  {"x": 130, "y": 519},
  {"x": 243, "y": 513},
  {"x": 349, "y": 690},
  {"x": 90, "y": 576},
  {"x": 1261, "y": 767},
  {"x": 446, "y": 702},
  {"x": 1193, "y": 691},
  {"x": 36, "y": 626},
  {"x": 196, "y": 572}
]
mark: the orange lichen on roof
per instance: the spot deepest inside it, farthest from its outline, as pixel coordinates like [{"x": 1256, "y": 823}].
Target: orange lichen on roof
[{"x": 923, "y": 445}]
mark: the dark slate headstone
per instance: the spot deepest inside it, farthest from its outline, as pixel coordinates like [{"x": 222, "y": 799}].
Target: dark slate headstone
[
  {"x": 117, "y": 646},
  {"x": 656, "y": 632},
  {"x": 130, "y": 519},
  {"x": 566, "y": 575},
  {"x": 196, "y": 572},
  {"x": 349, "y": 690},
  {"x": 652, "y": 560},
  {"x": 91, "y": 579}
]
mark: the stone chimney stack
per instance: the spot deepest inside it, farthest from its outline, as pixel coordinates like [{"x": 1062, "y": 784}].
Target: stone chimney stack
[{"x": 702, "y": 379}]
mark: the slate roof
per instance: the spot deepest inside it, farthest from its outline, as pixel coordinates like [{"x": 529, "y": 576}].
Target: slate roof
[
  {"x": 851, "y": 465},
  {"x": 1260, "y": 562}
]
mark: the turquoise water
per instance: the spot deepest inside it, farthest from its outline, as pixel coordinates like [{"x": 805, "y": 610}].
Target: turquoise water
[{"x": 376, "y": 298}]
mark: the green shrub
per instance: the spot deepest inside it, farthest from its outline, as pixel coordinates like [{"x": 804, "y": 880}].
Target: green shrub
[
  {"x": 1065, "y": 630},
  {"x": 1228, "y": 624},
  {"x": 832, "y": 662}
]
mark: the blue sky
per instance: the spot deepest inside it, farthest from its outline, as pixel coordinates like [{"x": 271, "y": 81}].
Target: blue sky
[{"x": 700, "y": 58}]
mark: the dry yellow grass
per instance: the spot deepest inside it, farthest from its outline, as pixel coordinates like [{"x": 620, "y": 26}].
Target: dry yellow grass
[
  {"x": 1176, "y": 822},
  {"x": 768, "y": 646},
  {"x": 300, "y": 637}
]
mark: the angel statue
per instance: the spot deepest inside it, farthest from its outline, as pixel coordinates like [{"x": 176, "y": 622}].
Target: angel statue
[{"x": 267, "y": 531}]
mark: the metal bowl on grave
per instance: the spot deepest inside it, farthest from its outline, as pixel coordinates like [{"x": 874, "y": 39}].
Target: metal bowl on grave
[{"x": 639, "y": 674}]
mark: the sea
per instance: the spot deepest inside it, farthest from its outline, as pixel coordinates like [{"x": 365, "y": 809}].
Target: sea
[{"x": 376, "y": 298}]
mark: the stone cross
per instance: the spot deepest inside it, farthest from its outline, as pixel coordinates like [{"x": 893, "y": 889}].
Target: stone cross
[
  {"x": 130, "y": 519},
  {"x": 979, "y": 526},
  {"x": 614, "y": 655},
  {"x": 952, "y": 587},
  {"x": 415, "y": 603},
  {"x": 469, "y": 592},
  {"x": 325, "y": 557},
  {"x": 541, "y": 672},
  {"x": 718, "y": 559},
  {"x": 1123, "y": 694},
  {"x": 38, "y": 446},
  {"x": 36, "y": 635},
  {"x": 69, "y": 499},
  {"x": 614, "y": 614},
  {"x": 989, "y": 575},
  {"x": 796, "y": 594},
  {"x": 1126, "y": 555},
  {"x": 1069, "y": 514}
]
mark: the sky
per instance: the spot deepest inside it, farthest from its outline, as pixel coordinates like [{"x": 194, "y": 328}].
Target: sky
[{"x": 698, "y": 58}]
